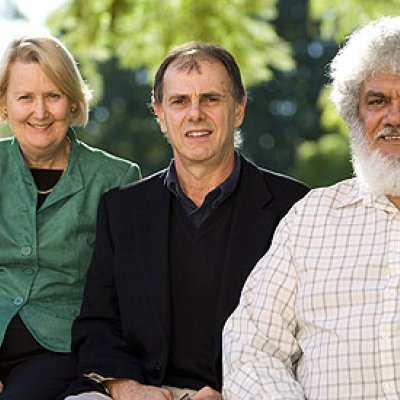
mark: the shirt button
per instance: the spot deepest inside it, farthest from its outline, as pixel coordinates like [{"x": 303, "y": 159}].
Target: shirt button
[
  {"x": 18, "y": 300},
  {"x": 26, "y": 250},
  {"x": 388, "y": 387},
  {"x": 28, "y": 271}
]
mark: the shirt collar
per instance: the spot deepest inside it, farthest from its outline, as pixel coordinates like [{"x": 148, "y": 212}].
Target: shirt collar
[
  {"x": 358, "y": 194},
  {"x": 214, "y": 197}
]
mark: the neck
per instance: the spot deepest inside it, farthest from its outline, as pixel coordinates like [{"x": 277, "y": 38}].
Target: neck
[
  {"x": 395, "y": 201},
  {"x": 199, "y": 179},
  {"x": 57, "y": 159}
]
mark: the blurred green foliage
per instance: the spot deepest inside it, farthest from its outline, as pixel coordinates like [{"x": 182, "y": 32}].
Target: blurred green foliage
[
  {"x": 340, "y": 18},
  {"x": 122, "y": 122},
  {"x": 327, "y": 159},
  {"x": 140, "y": 33},
  {"x": 282, "y": 46}
]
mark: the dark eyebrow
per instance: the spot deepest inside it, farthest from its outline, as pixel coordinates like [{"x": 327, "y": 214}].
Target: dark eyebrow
[
  {"x": 209, "y": 94},
  {"x": 201, "y": 94},
  {"x": 176, "y": 96},
  {"x": 372, "y": 93}
]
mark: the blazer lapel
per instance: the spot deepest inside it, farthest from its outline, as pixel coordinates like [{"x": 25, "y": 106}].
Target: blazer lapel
[
  {"x": 251, "y": 223},
  {"x": 152, "y": 221}
]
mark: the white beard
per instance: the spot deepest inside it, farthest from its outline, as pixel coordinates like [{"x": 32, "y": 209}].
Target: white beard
[{"x": 377, "y": 173}]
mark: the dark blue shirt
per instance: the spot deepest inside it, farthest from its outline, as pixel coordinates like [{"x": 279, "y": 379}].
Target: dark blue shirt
[{"x": 212, "y": 200}]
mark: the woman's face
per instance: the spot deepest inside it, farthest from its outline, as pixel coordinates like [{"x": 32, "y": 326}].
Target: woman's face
[{"x": 38, "y": 112}]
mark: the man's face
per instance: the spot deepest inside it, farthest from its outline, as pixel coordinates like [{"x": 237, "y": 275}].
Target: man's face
[
  {"x": 198, "y": 113},
  {"x": 380, "y": 108}
]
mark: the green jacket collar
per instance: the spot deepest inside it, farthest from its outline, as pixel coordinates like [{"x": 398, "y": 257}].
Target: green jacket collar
[{"x": 70, "y": 182}]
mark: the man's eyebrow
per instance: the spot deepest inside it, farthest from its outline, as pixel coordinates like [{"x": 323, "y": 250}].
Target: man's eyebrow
[
  {"x": 373, "y": 93},
  {"x": 177, "y": 95},
  {"x": 219, "y": 94},
  {"x": 201, "y": 95},
  {"x": 174, "y": 96},
  {"x": 210, "y": 93}
]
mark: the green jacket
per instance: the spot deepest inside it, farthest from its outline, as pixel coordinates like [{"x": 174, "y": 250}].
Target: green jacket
[{"x": 44, "y": 254}]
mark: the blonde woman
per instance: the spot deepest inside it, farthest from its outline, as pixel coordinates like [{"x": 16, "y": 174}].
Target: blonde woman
[{"x": 50, "y": 187}]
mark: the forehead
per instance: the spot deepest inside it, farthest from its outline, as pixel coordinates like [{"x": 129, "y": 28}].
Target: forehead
[
  {"x": 206, "y": 76},
  {"x": 28, "y": 75},
  {"x": 381, "y": 82}
]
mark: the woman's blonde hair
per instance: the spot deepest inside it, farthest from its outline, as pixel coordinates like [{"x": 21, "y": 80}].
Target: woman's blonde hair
[{"x": 57, "y": 63}]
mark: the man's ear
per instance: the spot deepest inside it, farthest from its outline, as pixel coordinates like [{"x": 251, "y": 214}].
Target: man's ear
[
  {"x": 158, "y": 110},
  {"x": 240, "y": 108}
]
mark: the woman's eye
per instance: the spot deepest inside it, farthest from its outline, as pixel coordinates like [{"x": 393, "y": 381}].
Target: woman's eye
[{"x": 54, "y": 96}]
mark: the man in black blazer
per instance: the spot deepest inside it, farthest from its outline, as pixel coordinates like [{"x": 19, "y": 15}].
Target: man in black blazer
[{"x": 174, "y": 250}]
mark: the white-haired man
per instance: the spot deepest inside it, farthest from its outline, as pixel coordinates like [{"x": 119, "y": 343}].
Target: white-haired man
[{"x": 319, "y": 316}]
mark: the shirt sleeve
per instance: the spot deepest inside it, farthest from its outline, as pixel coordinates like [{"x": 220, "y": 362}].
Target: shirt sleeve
[{"x": 260, "y": 350}]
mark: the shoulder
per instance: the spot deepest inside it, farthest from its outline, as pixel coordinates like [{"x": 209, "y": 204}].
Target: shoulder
[
  {"x": 5, "y": 143},
  {"x": 148, "y": 187},
  {"x": 322, "y": 210},
  {"x": 276, "y": 183},
  {"x": 322, "y": 203},
  {"x": 334, "y": 196},
  {"x": 92, "y": 159},
  {"x": 97, "y": 155}
]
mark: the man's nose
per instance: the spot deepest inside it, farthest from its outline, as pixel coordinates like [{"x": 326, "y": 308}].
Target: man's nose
[
  {"x": 195, "y": 111},
  {"x": 392, "y": 117}
]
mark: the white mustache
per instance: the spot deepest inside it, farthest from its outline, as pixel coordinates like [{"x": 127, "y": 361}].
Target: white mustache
[{"x": 389, "y": 131}]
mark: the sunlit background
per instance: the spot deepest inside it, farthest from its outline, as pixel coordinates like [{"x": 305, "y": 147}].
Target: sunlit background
[
  {"x": 26, "y": 18},
  {"x": 283, "y": 48}
]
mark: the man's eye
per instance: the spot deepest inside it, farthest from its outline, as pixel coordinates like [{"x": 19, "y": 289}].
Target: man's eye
[
  {"x": 375, "y": 101},
  {"x": 378, "y": 101},
  {"x": 212, "y": 99},
  {"x": 24, "y": 97},
  {"x": 177, "y": 101}
]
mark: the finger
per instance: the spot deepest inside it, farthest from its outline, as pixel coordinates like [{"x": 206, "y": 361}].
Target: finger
[
  {"x": 206, "y": 393},
  {"x": 166, "y": 393}
]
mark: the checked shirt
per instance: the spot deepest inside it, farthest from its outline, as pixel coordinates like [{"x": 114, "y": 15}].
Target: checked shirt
[{"x": 319, "y": 316}]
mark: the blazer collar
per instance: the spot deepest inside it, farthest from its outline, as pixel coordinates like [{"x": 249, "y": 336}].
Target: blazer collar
[{"x": 70, "y": 182}]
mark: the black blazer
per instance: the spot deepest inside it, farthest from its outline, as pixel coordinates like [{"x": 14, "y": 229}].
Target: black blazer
[{"x": 123, "y": 330}]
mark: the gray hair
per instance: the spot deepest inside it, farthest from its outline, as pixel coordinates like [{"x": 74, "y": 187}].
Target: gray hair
[{"x": 373, "y": 48}]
